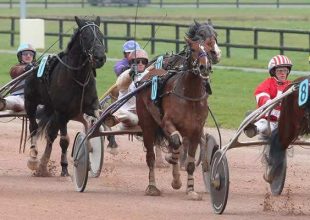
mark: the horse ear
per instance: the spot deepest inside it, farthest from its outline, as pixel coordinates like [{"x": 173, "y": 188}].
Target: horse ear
[
  {"x": 210, "y": 22},
  {"x": 97, "y": 21},
  {"x": 188, "y": 40},
  {"x": 196, "y": 23},
  {"x": 78, "y": 21}
]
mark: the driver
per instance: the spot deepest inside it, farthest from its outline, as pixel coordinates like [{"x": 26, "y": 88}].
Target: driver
[
  {"x": 26, "y": 55},
  {"x": 127, "y": 115},
  {"x": 279, "y": 68}
]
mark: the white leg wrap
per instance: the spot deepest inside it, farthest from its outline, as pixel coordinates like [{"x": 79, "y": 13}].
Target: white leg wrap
[{"x": 178, "y": 133}]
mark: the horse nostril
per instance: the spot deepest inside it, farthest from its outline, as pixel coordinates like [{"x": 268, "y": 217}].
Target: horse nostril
[{"x": 202, "y": 68}]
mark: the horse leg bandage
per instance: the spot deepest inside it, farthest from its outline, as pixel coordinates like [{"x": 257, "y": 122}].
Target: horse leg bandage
[{"x": 176, "y": 139}]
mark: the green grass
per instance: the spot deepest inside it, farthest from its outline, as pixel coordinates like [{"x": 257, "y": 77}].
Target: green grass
[{"x": 232, "y": 90}]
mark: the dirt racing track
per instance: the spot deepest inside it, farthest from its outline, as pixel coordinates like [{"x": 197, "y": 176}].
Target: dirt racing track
[{"x": 119, "y": 192}]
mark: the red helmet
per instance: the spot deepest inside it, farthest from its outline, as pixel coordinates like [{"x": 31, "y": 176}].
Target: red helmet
[
  {"x": 138, "y": 54},
  {"x": 279, "y": 61}
]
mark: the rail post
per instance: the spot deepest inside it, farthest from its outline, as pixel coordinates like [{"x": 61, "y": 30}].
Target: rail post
[
  {"x": 177, "y": 37},
  {"x": 281, "y": 42},
  {"x": 45, "y": 4},
  {"x": 128, "y": 30},
  {"x": 255, "y": 43},
  {"x": 237, "y": 3},
  {"x": 152, "y": 39},
  {"x": 11, "y": 4},
  {"x": 227, "y": 42},
  {"x": 197, "y": 3},
  {"x": 278, "y": 3},
  {"x": 60, "y": 34},
  {"x": 161, "y": 3},
  {"x": 12, "y": 32},
  {"x": 105, "y": 33}
]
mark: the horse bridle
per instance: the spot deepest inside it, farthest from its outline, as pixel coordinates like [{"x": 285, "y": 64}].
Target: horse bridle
[
  {"x": 195, "y": 64},
  {"x": 87, "y": 52}
]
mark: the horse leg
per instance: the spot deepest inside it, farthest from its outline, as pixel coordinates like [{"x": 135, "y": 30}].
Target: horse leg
[
  {"x": 151, "y": 189},
  {"x": 190, "y": 168},
  {"x": 51, "y": 135},
  {"x": 112, "y": 146},
  {"x": 175, "y": 141},
  {"x": 64, "y": 143},
  {"x": 33, "y": 162},
  {"x": 159, "y": 161}
]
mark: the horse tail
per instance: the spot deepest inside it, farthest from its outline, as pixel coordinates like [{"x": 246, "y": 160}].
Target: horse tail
[
  {"x": 44, "y": 116},
  {"x": 159, "y": 136},
  {"x": 275, "y": 154}
]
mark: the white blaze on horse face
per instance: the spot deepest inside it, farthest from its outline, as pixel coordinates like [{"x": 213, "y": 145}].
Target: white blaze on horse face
[{"x": 217, "y": 51}]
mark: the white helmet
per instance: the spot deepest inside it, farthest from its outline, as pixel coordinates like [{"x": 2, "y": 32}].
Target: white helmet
[
  {"x": 279, "y": 61},
  {"x": 24, "y": 47},
  {"x": 138, "y": 54}
]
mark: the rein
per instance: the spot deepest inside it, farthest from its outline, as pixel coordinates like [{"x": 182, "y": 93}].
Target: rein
[
  {"x": 173, "y": 92},
  {"x": 87, "y": 52}
]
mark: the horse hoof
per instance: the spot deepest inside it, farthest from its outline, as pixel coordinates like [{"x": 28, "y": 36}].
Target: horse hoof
[
  {"x": 42, "y": 172},
  {"x": 267, "y": 175},
  {"x": 176, "y": 184},
  {"x": 64, "y": 174},
  {"x": 169, "y": 159},
  {"x": 33, "y": 163},
  {"x": 192, "y": 195},
  {"x": 161, "y": 164},
  {"x": 152, "y": 190},
  {"x": 113, "y": 151}
]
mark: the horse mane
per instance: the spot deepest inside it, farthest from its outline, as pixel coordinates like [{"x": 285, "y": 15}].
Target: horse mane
[
  {"x": 200, "y": 31},
  {"x": 72, "y": 40}
]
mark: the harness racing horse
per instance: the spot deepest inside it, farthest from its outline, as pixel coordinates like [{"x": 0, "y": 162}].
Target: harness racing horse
[
  {"x": 181, "y": 112},
  {"x": 294, "y": 121},
  {"x": 67, "y": 91}
]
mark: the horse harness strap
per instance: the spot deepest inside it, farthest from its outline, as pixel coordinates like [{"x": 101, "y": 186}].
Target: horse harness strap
[
  {"x": 185, "y": 97},
  {"x": 173, "y": 92},
  {"x": 71, "y": 67}
]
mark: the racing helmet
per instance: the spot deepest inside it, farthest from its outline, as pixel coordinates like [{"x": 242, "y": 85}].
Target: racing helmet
[
  {"x": 130, "y": 46},
  {"x": 138, "y": 54},
  {"x": 24, "y": 47},
  {"x": 279, "y": 61}
]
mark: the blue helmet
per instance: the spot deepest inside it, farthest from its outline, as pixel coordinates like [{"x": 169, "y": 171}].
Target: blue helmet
[
  {"x": 23, "y": 47},
  {"x": 130, "y": 46}
]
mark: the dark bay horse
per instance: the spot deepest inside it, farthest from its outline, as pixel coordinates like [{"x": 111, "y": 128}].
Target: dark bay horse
[
  {"x": 294, "y": 121},
  {"x": 181, "y": 112},
  {"x": 67, "y": 91}
]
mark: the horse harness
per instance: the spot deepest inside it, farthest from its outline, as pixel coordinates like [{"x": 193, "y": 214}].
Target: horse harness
[{"x": 52, "y": 62}]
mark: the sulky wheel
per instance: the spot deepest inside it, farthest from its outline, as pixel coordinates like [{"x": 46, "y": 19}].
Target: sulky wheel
[
  {"x": 277, "y": 184},
  {"x": 210, "y": 148},
  {"x": 80, "y": 162},
  {"x": 96, "y": 154},
  {"x": 219, "y": 179}
]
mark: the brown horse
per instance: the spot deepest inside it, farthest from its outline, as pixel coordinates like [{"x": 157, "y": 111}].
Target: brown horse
[
  {"x": 293, "y": 122},
  {"x": 180, "y": 113}
]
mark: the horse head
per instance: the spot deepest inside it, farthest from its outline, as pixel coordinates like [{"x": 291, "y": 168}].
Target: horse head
[
  {"x": 206, "y": 33},
  {"x": 198, "y": 58},
  {"x": 91, "y": 41}
]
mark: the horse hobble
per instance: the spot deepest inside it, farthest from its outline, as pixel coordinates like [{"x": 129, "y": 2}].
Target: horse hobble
[
  {"x": 180, "y": 112},
  {"x": 67, "y": 90}
]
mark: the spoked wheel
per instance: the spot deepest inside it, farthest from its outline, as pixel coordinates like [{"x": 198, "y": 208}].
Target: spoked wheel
[
  {"x": 210, "y": 148},
  {"x": 277, "y": 184},
  {"x": 81, "y": 162},
  {"x": 219, "y": 180},
  {"x": 96, "y": 154}
]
